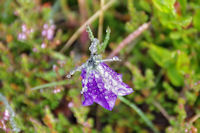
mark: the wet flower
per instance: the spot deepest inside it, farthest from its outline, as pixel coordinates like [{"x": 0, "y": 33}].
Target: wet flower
[
  {"x": 100, "y": 83},
  {"x": 103, "y": 86}
]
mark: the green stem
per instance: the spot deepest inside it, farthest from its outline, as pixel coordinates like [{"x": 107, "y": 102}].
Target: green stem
[
  {"x": 54, "y": 9},
  {"x": 63, "y": 82},
  {"x": 140, "y": 113}
]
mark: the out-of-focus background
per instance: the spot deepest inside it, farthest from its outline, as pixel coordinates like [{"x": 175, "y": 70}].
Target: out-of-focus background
[{"x": 42, "y": 40}]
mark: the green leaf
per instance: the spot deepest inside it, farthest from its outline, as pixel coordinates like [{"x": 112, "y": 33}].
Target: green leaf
[
  {"x": 174, "y": 76},
  {"x": 107, "y": 129},
  {"x": 166, "y": 6},
  {"x": 102, "y": 47},
  {"x": 196, "y": 20},
  {"x": 160, "y": 55},
  {"x": 171, "y": 93},
  {"x": 167, "y": 15},
  {"x": 89, "y": 31},
  {"x": 183, "y": 63},
  {"x": 183, "y": 4}
]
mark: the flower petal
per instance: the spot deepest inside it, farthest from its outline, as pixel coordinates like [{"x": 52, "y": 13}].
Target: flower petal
[
  {"x": 96, "y": 91},
  {"x": 106, "y": 99},
  {"x": 88, "y": 100},
  {"x": 113, "y": 81}
]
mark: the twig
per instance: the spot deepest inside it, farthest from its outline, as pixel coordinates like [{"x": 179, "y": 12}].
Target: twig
[
  {"x": 89, "y": 21},
  {"x": 100, "y": 28},
  {"x": 140, "y": 113},
  {"x": 162, "y": 110},
  {"x": 129, "y": 39},
  {"x": 82, "y": 10},
  {"x": 193, "y": 119}
]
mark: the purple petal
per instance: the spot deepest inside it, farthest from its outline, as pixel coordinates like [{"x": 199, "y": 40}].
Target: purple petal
[
  {"x": 88, "y": 100},
  {"x": 96, "y": 91},
  {"x": 103, "y": 85},
  {"x": 113, "y": 81}
]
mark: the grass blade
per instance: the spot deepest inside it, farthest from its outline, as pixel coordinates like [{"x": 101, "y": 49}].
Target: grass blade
[
  {"x": 139, "y": 112},
  {"x": 52, "y": 84}
]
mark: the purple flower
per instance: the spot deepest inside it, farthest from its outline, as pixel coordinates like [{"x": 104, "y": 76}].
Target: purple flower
[
  {"x": 48, "y": 31},
  {"x": 43, "y": 45},
  {"x": 103, "y": 87},
  {"x": 100, "y": 83},
  {"x": 25, "y": 32}
]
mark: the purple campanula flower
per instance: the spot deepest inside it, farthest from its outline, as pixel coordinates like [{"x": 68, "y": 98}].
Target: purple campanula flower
[{"x": 100, "y": 83}]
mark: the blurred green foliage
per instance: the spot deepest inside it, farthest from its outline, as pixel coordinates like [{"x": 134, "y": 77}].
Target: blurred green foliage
[{"x": 161, "y": 65}]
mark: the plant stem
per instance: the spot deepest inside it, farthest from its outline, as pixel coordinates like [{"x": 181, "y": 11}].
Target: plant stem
[
  {"x": 194, "y": 118},
  {"x": 129, "y": 39},
  {"x": 162, "y": 110},
  {"x": 89, "y": 21},
  {"x": 54, "y": 9},
  {"x": 139, "y": 112},
  {"x": 100, "y": 28},
  {"x": 62, "y": 82},
  {"x": 66, "y": 10}
]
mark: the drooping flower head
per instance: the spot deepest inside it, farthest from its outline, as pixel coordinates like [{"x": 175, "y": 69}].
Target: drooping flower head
[{"x": 100, "y": 83}]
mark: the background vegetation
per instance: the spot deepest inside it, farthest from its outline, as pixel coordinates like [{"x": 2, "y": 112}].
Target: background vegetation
[{"x": 160, "y": 62}]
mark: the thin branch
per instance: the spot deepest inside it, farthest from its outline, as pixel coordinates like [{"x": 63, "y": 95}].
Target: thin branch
[
  {"x": 82, "y": 10},
  {"x": 129, "y": 39},
  {"x": 193, "y": 119},
  {"x": 100, "y": 28},
  {"x": 89, "y": 21},
  {"x": 162, "y": 110}
]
